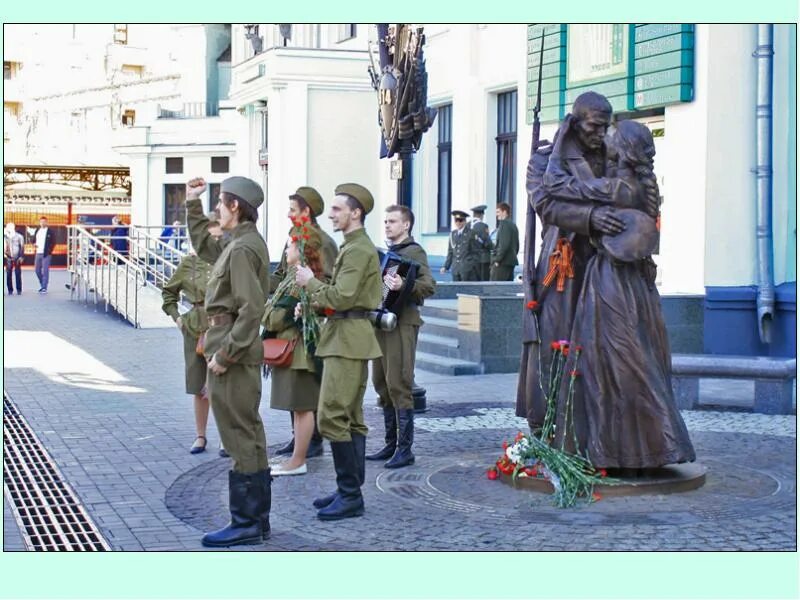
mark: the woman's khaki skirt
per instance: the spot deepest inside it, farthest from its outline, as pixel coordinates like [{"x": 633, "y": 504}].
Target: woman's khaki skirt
[
  {"x": 293, "y": 389},
  {"x": 195, "y": 365}
]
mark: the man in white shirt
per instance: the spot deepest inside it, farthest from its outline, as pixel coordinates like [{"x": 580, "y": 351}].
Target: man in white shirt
[{"x": 45, "y": 239}]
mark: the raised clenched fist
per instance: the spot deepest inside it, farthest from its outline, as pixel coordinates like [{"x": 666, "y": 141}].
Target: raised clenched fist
[{"x": 195, "y": 187}]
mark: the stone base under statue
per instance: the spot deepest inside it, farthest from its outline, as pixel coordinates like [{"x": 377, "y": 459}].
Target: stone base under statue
[{"x": 670, "y": 479}]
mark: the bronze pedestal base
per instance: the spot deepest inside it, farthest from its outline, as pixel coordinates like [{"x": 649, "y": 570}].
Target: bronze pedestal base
[{"x": 670, "y": 479}]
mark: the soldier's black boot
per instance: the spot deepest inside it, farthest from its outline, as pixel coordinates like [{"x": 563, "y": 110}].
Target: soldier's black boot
[
  {"x": 315, "y": 446},
  {"x": 360, "y": 443},
  {"x": 390, "y": 422},
  {"x": 250, "y": 501},
  {"x": 348, "y": 501},
  {"x": 288, "y": 448},
  {"x": 403, "y": 456}
]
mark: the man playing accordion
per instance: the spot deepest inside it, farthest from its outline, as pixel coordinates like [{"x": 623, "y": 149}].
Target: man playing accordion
[{"x": 393, "y": 373}]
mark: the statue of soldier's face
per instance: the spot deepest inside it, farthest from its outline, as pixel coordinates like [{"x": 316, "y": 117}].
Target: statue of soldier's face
[{"x": 591, "y": 130}]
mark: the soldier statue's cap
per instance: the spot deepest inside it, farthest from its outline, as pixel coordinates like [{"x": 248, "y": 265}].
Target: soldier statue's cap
[
  {"x": 459, "y": 213},
  {"x": 244, "y": 188},
  {"x": 311, "y": 197},
  {"x": 481, "y": 208},
  {"x": 360, "y": 193}
]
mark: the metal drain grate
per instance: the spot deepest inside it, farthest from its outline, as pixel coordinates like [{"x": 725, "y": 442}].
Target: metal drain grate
[{"x": 45, "y": 507}]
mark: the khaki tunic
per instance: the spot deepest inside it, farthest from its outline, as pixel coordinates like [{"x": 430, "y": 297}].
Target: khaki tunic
[
  {"x": 237, "y": 288},
  {"x": 295, "y": 387},
  {"x": 393, "y": 373},
  {"x": 347, "y": 344},
  {"x": 328, "y": 251},
  {"x": 190, "y": 278}
]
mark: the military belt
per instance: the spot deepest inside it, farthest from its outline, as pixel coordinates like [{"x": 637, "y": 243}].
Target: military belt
[
  {"x": 350, "y": 314},
  {"x": 221, "y": 319}
]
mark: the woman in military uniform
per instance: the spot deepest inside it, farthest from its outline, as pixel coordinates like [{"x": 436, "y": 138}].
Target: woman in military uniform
[
  {"x": 235, "y": 297},
  {"x": 296, "y": 387},
  {"x": 191, "y": 278}
]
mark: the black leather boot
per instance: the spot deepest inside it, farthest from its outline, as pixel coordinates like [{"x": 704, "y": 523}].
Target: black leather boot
[
  {"x": 403, "y": 456},
  {"x": 250, "y": 503},
  {"x": 390, "y": 422},
  {"x": 315, "y": 446},
  {"x": 348, "y": 501},
  {"x": 288, "y": 448},
  {"x": 360, "y": 444}
]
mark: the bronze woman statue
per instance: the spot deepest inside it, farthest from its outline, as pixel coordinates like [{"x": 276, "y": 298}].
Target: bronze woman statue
[{"x": 623, "y": 411}]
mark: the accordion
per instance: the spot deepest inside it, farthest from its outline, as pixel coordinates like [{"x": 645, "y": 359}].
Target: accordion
[{"x": 393, "y": 264}]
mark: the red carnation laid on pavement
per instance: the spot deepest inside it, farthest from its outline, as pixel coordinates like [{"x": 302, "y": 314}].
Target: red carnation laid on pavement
[{"x": 492, "y": 474}]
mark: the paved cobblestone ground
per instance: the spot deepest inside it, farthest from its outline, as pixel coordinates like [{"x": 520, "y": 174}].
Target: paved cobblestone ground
[{"x": 107, "y": 401}]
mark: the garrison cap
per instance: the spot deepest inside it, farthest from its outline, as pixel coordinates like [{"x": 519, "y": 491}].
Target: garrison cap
[
  {"x": 244, "y": 188},
  {"x": 311, "y": 197},
  {"x": 360, "y": 193},
  {"x": 459, "y": 213},
  {"x": 481, "y": 208}
]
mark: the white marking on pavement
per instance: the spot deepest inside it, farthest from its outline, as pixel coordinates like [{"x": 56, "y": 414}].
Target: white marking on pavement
[
  {"x": 62, "y": 362},
  {"x": 696, "y": 420}
]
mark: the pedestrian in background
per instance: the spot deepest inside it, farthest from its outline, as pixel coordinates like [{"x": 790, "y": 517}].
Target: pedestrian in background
[
  {"x": 14, "y": 254},
  {"x": 483, "y": 240},
  {"x": 45, "y": 240}
]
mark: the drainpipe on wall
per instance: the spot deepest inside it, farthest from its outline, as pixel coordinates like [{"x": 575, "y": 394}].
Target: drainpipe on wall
[{"x": 765, "y": 300}]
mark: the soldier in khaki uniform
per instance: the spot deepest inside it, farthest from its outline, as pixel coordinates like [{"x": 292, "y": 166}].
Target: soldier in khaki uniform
[
  {"x": 237, "y": 291},
  {"x": 306, "y": 203},
  {"x": 483, "y": 240},
  {"x": 393, "y": 373},
  {"x": 462, "y": 252},
  {"x": 191, "y": 278},
  {"x": 347, "y": 341}
]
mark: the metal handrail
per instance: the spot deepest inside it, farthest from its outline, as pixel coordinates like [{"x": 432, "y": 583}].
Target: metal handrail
[
  {"x": 91, "y": 262},
  {"x": 159, "y": 259}
]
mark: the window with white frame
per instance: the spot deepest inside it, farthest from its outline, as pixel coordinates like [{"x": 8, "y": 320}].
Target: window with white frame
[
  {"x": 444, "y": 167},
  {"x": 506, "y": 147}
]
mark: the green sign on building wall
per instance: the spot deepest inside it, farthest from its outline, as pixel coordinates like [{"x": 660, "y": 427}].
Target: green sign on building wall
[{"x": 635, "y": 66}]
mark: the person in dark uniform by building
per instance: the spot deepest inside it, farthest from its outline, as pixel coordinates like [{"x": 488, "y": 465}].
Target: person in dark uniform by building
[
  {"x": 484, "y": 241},
  {"x": 393, "y": 373},
  {"x": 191, "y": 278},
  {"x": 235, "y": 297},
  {"x": 462, "y": 251},
  {"x": 307, "y": 203},
  {"x": 347, "y": 342},
  {"x": 505, "y": 245}
]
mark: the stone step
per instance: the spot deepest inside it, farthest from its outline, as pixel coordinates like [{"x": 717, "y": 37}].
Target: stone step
[
  {"x": 442, "y": 309},
  {"x": 445, "y": 365},
  {"x": 439, "y": 344},
  {"x": 440, "y": 327}
]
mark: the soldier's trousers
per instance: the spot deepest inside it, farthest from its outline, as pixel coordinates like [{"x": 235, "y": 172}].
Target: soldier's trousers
[
  {"x": 235, "y": 397},
  {"x": 483, "y": 271},
  {"x": 341, "y": 398},
  {"x": 393, "y": 373},
  {"x": 502, "y": 273}
]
